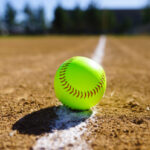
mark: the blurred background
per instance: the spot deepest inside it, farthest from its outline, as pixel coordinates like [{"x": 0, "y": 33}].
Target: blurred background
[{"x": 35, "y": 17}]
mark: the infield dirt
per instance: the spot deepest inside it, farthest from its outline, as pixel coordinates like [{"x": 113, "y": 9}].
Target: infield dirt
[{"x": 28, "y": 102}]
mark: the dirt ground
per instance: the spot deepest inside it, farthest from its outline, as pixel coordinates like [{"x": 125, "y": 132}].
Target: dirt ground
[{"x": 28, "y": 102}]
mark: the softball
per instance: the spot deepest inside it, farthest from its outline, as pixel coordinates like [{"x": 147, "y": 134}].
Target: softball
[{"x": 80, "y": 83}]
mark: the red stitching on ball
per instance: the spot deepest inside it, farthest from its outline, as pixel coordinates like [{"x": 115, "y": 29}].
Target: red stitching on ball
[
  {"x": 99, "y": 87},
  {"x": 63, "y": 71},
  {"x": 65, "y": 65},
  {"x": 62, "y": 77},
  {"x": 78, "y": 94},
  {"x": 81, "y": 94},
  {"x": 85, "y": 95},
  {"x": 63, "y": 80},
  {"x": 88, "y": 94},
  {"x": 62, "y": 74},
  {"x": 100, "y": 84},
  {"x": 94, "y": 91},
  {"x": 66, "y": 86},
  {"x": 73, "y": 91},
  {"x": 69, "y": 88},
  {"x": 64, "y": 83}
]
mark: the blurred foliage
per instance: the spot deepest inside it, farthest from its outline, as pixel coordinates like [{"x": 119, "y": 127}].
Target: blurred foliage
[
  {"x": 126, "y": 25},
  {"x": 76, "y": 21},
  {"x": 108, "y": 22},
  {"x": 92, "y": 20},
  {"x": 34, "y": 22},
  {"x": 10, "y": 17},
  {"x": 62, "y": 22},
  {"x": 146, "y": 15}
]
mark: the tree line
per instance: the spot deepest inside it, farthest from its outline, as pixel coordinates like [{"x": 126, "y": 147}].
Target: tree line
[{"x": 76, "y": 21}]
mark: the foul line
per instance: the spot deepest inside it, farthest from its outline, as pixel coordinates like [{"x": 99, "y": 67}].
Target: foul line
[
  {"x": 69, "y": 126},
  {"x": 99, "y": 51}
]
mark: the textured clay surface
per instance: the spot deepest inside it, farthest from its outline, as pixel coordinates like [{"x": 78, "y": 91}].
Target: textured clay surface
[{"x": 28, "y": 102}]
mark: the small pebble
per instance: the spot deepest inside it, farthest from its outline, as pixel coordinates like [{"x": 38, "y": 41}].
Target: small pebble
[
  {"x": 147, "y": 108},
  {"x": 12, "y": 133}
]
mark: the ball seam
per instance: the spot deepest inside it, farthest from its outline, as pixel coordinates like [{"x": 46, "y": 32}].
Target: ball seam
[{"x": 78, "y": 93}]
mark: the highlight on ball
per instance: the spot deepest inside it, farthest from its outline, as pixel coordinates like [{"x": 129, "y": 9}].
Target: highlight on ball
[{"x": 80, "y": 83}]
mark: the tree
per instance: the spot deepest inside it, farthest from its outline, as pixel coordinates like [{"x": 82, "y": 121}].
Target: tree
[
  {"x": 40, "y": 20},
  {"x": 146, "y": 15},
  {"x": 29, "y": 20},
  {"x": 10, "y": 17},
  {"x": 35, "y": 20},
  {"x": 108, "y": 21},
  {"x": 93, "y": 19},
  {"x": 62, "y": 22},
  {"x": 126, "y": 25},
  {"x": 0, "y": 27},
  {"x": 78, "y": 20}
]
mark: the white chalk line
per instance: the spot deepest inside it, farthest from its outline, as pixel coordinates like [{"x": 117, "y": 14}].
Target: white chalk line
[
  {"x": 74, "y": 124},
  {"x": 99, "y": 51},
  {"x": 69, "y": 126}
]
